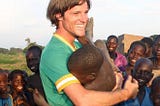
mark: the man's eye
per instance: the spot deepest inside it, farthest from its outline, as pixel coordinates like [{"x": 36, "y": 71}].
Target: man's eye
[{"x": 76, "y": 13}]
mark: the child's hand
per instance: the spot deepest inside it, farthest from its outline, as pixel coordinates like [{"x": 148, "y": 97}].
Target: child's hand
[
  {"x": 119, "y": 81},
  {"x": 39, "y": 99},
  {"x": 89, "y": 28}
]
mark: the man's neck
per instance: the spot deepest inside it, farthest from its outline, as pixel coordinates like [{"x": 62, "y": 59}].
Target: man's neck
[{"x": 66, "y": 36}]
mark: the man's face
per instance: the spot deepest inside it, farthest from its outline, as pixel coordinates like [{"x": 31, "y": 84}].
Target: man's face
[
  {"x": 75, "y": 19},
  {"x": 135, "y": 53},
  {"x": 33, "y": 60},
  {"x": 112, "y": 44}
]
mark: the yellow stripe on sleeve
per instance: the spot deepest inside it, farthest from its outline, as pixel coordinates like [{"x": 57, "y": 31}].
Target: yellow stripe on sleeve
[{"x": 65, "y": 81}]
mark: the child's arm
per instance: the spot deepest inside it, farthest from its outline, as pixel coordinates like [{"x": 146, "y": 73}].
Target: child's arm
[{"x": 39, "y": 99}]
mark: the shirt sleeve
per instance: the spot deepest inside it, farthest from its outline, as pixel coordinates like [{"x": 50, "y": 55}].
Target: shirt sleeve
[{"x": 54, "y": 66}]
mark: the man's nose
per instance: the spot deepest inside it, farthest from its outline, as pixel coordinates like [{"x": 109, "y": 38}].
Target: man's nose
[{"x": 84, "y": 17}]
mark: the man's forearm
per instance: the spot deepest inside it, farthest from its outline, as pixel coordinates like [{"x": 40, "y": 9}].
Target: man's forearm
[{"x": 109, "y": 98}]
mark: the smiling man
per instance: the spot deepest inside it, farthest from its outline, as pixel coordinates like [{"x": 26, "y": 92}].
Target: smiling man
[{"x": 61, "y": 87}]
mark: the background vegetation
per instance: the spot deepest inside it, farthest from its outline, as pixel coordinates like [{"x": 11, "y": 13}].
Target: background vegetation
[
  {"x": 13, "y": 61},
  {"x": 14, "y": 58}
]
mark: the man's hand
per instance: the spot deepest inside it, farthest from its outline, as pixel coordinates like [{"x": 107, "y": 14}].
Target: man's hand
[{"x": 131, "y": 85}]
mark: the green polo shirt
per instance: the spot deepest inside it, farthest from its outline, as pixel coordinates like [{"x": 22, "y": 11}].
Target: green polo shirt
[{"x": 54, "y": 72}]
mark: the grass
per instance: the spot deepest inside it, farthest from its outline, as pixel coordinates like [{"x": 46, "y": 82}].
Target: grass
[
  {"x": 8, "y": 59},
  {"x": 13, "y": 61}
]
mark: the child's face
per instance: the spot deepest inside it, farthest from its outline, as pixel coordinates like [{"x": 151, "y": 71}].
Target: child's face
[
  {"x": 112, "y": 44},
  {"x": 156, "y": 97},
  {"x": 84, "y": 78},
  {"x": 135, "y": 53},
  {"x": 3, "y": 83},
  {"x": 143, "y": 74},
  {"x": 18, "y": 82},
  {"x": 33, "y": 60},
  {"x": 156, "y": 48}
]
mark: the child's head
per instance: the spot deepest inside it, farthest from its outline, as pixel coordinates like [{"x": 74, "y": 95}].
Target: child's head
[
  {"x": 149, "y": 43},
  {"x": 142, "y": 71},
  {"x": 112, "y": 43},
  {"x": 156, "y": 47},
  {"x": 85, "y": 63},
  {"x": 155, "y": 91},
  {"x": 18, "y": 80},
  {"x": 136, "y": 51},
  {"x": 33, "y": 56},
  {"x": 3, "y": 83}
]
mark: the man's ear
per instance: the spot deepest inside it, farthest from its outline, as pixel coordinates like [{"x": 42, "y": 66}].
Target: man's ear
[
  {"x": 91, "y": 76},
  {"x": 59, "y": 16}
]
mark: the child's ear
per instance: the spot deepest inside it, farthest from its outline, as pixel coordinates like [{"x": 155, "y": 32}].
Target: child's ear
[
  {"x": 91, "y": 76},
  {"x": 59, "y": 16}
]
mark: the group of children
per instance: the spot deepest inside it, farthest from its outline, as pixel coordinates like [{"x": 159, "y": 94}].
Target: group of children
[
  {"x": 143, "y": 63},
  {"x": 16, "y": 87},
  {"x": 13, "y": 89}
]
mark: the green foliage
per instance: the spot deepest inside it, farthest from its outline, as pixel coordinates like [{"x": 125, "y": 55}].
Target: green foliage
[
  {"x": 7, "y": 59},
  {"x": 15, "y": 58},
  {"x": 13, "y": 61},
  {"x": 3, "y": 50},
  {"x": 15, "y": 50}
]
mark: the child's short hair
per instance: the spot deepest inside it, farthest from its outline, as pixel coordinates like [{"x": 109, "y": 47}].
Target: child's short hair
[
  {"x": 4, "y": 72},
  {"x": 85, "y": 59},
  {"x": 18, "y": 72}
]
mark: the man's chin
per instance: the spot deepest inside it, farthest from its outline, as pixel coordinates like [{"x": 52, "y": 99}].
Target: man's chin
[{"x": 80, "y": 35}]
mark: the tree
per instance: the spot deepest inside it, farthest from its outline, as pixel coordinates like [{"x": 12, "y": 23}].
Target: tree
[{"x": 28, "y": 41}]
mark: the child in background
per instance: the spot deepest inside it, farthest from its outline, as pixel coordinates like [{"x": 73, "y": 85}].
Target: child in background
[
  {"x": 149, "y": 44},
  {"x": 33, "y": 56},
  {"x": 5, "y": 97},
  {"x": 119, "y": 59},
  {"x": 155, "y": 91},
  {"x": 142, "y": 72},
  {"x": 21, "y": 95},
  {"x": 156, "y": 57},
  {"x": 156, "y": 53},
  {"x": 136, "y": 51}
]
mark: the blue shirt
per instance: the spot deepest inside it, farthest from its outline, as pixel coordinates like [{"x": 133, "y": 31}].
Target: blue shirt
[{"x": 134, "y": 102}]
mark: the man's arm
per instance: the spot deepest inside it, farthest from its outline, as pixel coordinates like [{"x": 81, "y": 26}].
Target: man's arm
[{"x": 81, "y": 96}]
